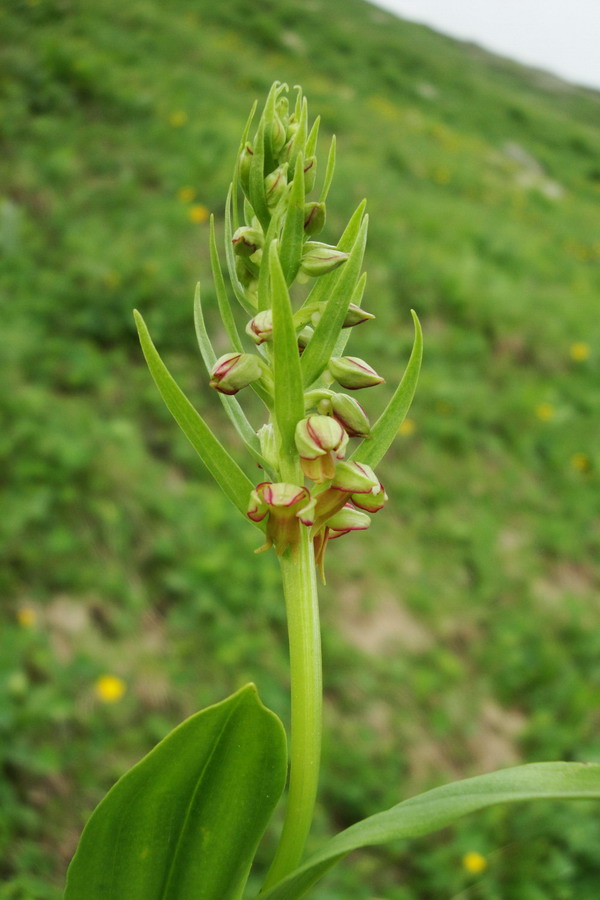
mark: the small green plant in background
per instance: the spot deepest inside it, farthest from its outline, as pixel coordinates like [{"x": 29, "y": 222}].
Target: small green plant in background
[{"x": 187, "y": 820}]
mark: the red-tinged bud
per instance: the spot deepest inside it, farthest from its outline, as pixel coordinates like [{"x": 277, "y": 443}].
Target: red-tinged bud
[
  {"x": 310, "y": 173},
  {"x": 314, "y": 217},
  {"x": 353, "y": 373},
  {"x": 355, "y": 478},
  {"x": 234, "y": 371},
  {"x": 245, "y": 163},
  {"x": 371, "y": 503},
  {"x": 350, "y": 415},
  {"x": 247, "y": 240},
  {"x": 356, "y": 315},
  {"x": 286, "y": 505},
  {"x": 319, "y": 259},
  {"x": 347, "y": 519},
  {"x": 260, "y": 328},
  {"x": 320, "y": 440},
  {"x": 275, "y": 186}
]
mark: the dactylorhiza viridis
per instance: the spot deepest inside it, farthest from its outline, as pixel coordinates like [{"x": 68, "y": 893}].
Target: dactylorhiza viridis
[{"x": 187, "y": 820}]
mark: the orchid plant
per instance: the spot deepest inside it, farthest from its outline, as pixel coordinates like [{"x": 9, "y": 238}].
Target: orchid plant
[{"x": 186, "y": 821}]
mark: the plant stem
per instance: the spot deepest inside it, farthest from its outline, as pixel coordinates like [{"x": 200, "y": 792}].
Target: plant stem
[{"x": 300, "y": 591}]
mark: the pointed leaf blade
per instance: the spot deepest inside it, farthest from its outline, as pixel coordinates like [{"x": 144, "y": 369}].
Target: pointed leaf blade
[
  {"x": 440, "y": 807},
  {"x": 226, "y": 472},
  {"x": 289, "y": 398},
  {"x": 386, "y": 427},
  {"x": 186, "y": 820}
]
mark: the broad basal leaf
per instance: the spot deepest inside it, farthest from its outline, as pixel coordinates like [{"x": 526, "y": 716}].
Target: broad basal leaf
[{"x": 186, "y": 820}]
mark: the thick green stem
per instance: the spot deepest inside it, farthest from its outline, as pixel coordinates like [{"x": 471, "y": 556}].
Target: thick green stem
[{"x": 300, "y": 590}]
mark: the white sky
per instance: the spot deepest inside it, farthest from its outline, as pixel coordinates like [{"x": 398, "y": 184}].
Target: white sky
[{"x": 561, "y": 36}]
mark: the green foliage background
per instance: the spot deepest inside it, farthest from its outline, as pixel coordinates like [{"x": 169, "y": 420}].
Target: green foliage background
[{"x": 460, "y": 633}]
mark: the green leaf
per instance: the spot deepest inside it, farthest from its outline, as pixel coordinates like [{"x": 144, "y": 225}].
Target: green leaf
[
  {"x": 292, "y": 237},
  {"x": 237, "y": 286},
  {"x": 232, "y": 408},
  {"x": 440, "y": 807},
  {"x": 187, "y": 819},
  {"x": 289, "y": 397},
  {"x": 385, "y": 429},
  {"x": 311, "y": 141},
  {"x": 215, "y": 457},
  {"x": 346, "y": 333},
  {"x": 321, "y": 345},
  {"x": 236, "y": 170},
  {"x": 258, "y": 197},
  {"x": 328, "y": 171},
  {"x": 221, "y": 292}
]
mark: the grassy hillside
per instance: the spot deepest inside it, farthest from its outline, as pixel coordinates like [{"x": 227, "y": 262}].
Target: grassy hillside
[{"x": 461, "y": 632}]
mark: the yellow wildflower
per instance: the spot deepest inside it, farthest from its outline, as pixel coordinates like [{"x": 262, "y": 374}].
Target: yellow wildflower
[
  {"x": 474, "y": 862},
  {"x": 186, "y": 194},
  {"x": 580, "y": 351},
  {"x": 544, "y": 411},
  {"x": 110, "y": 688},
  {"x": 580, "y": 462},
  {"x": 178, "y": 118},
  {"x": 407, "y": 427},
  {"x": 26, "y": 616},
  {"x": 198, "y": 213}
]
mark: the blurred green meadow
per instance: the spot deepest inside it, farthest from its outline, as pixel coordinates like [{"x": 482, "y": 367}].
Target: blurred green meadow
[{"x": 461, "y": 632}]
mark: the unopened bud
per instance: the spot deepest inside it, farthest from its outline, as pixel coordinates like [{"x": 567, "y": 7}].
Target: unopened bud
[
  {"x": 260, "y": 328},
  {"x": 310, "y": 173},
  {"x": 269, "y": 445},
  {"x": 318, "y": 259},
  {"x": 356, "y": 315},
  {"x": 278, "y": 136},
  {"x": 275, "y": 186},
  {"x": 347, "y": 519},
  {"x": 371, "y": 503},
  {"x": 234, "y": 371},
  {"x": 247, "y": 240},
  {"x": 304, "y": 338},
  {"x": 245, "y": 163},
  {"x": 355, "y": 478},
  {"x": 318, "y": 440},
  {"x": 353, "y": 373},
  {"x": 314, "y": 217},
  {"x": 350, "y": 415}
]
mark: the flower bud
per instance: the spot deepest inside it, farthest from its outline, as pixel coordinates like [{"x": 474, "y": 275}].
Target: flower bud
[
  {"x": 260, "y": 328},
  {"x": 275, "y": 186},
  {"x": 310, "y": 173},
  {"x": 314, "y": 217},
  {"x": 245, "y": 163},
  {"x": 371, "y": 503},
  {"x": 353, "y": 373},
  {"x": 355, "y": 478},
  {"x": 318, "y": 259},
  {"x": 287, "y": 505},
  {"x": 347, "y": 519},
  {"x": 247, "y": 240},
  {"x": 269, "y": 444},
  {"x": 356, "y": 315},
  {"x": 278, "y": 136},
  {"x": 304, "y": 337},
  {"x": 318, "y": 440},
  {"x": 350, "y": 415},
  {"x": 234, "y": 371}
]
